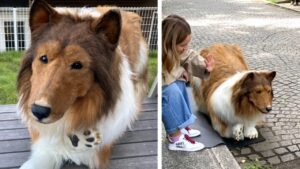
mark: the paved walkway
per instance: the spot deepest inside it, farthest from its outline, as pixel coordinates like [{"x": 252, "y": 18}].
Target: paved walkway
[{"x": 269, "y": 37}]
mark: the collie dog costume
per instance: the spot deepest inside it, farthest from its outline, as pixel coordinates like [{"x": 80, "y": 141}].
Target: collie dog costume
[
  {"x": 234, "y": 97},
  {"x": 81, "y": 83}
]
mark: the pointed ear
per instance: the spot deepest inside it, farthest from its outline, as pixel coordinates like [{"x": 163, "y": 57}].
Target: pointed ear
[
  {"x": 271, "y": 75},
  {"x": 204, "y": 52},
  {"x": 110, "y": 25},
  {"x": 248, "y": 78},
  {"x": 40, "y": 13}
]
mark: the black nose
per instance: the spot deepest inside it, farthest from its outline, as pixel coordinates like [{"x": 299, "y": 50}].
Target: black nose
[
  {"x": 269, "y": 109},
  {"x": 40, "y": 111}
]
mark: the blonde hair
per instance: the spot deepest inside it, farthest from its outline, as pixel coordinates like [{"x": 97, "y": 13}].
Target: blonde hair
[{"x": 174, "y": 31}]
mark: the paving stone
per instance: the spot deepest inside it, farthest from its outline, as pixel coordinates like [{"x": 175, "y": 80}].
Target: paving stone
[
  {"x": 254, "y": 157},
  {"x": 280, "y": 150},
  {"x": 296, "y": 141},
  {"x": 293, "y": 148},
  {"x": 265, "y": 146},
  {"x": 268, "y": 153},
  {"x": 286, "y": 143},
  {"x": 297, "y": 153},
  {"x": 262, "y": 162},
  {"x": 287, "y": 137},
  {"x": 297, "y": 135},
  {"x": 246, "y": 151},
  {"x": 267, "y": 134},
  {"x": 241, "y": 159},
  {"x": 274, "y": 160},
  {"x": 287, "y": 157}
]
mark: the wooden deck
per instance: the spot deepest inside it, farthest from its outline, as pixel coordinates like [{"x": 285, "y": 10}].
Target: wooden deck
[{"x": 136, "y": 149}]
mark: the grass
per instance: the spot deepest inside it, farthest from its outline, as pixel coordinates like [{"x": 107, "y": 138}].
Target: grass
[
  {"x": 276, "y": 1},
  {"x": 152, "y": 67},
  {"x": 255, "y": 165},
  {"x": 9, "y": 67},
  {"x": 272, "y": 1}
]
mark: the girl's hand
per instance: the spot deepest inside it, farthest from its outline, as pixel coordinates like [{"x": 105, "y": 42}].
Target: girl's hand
[
  {"x": 185, "y": 76},
  {"x": 210, "y": 63}
]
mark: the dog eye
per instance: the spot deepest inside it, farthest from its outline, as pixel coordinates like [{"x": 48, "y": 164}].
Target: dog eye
[
  {"x": 76, "y": 65},
  {"x": 258, "y": 92},
  {"x": 44, "y": 59}
]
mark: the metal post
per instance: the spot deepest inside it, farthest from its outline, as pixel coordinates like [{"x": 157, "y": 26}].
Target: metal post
[
  {"x": 151, "y": 27},
  {"x": 153, "y": 90},
  {"x": 15, "y": 28}
]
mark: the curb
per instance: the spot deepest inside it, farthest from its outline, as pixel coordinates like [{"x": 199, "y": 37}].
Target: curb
[{"x": 283, "y": 7}]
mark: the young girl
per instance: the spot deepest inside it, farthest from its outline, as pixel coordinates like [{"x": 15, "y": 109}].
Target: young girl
[{"x": 178, "y": 63}]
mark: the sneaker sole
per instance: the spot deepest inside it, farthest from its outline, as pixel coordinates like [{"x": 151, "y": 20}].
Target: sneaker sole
[
  {"x": 190, "y": 150},
  {"x": 192, "y": 136}
]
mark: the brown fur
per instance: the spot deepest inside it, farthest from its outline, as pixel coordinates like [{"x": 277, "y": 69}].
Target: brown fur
[
  {"x": 88, "y": 93},
  {"x": 247, "y": 103},
  {"x": 80, "y": 95},
  {"x": 253, "y": 95},
  {"x": 104, "y": 155},
  {"x": 131, "y": 38},
  {"x": 34, "y": 134}
]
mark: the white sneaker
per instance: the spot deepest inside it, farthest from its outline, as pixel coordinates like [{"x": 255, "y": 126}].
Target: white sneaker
[
  {"x": 190, "y": 132},
  {"x": 185, "y": 143}
]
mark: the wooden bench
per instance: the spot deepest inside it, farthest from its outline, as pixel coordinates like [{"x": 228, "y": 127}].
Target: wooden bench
[{"x": 136, "y": 149}]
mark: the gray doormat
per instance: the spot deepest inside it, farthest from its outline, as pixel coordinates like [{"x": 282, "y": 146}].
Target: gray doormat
[{"x": 210, "y": 138}]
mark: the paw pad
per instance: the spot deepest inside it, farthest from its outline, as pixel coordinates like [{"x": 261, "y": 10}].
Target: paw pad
[{"x": 85, "y": 139}]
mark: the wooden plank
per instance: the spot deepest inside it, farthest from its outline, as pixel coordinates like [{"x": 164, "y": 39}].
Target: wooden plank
[
  {"x": 130, "y": 137},
  {"x": 14, "y": 146},
  {"x": 119, "y": 152},
  {"x": 148, "y": 115},
  {"x": 13, "y": 134},
  {"x": 11, "y": 124},
  {"x": 8, "y": 108},
  {"x": 23, "y": 133},
  {"x": 12, "y": 160},
  {"x": 134, "y": 150},
  {"x": 150, "y": 100},
  {"x": 9, "y": 116},
  {"x": 138, "y": 136},
  {"x": 144, "y": 125},
  {"x": 149, "y": 162},
  {"x": 149, "y": 107}
]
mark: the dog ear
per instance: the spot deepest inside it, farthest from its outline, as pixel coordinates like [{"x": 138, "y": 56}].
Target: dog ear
[
  {"x": 41, "y": 13},
  {"x": 204, "y": 52},
  {"x": 109, "y": 25},
  {"x": 236, "y": 47},
  {"x": 248, "y": 79},
  {"x": 271, "y": 75}
]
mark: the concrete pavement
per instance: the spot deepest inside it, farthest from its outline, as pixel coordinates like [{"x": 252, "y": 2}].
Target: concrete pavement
[{"x": 270, "y": 39}]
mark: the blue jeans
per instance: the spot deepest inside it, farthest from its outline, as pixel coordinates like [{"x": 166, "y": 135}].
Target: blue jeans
[{"x": 176, "y": 109}]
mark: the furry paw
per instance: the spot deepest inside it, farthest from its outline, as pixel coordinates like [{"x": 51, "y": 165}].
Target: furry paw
[
  {"x": 251, "y": 133},
  {"x": 238, "y": 132},
  {"x": 85, "y": 139}
]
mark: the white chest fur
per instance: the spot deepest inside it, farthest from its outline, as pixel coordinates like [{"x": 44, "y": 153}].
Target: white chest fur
[{"x": 221, "y": 99}]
